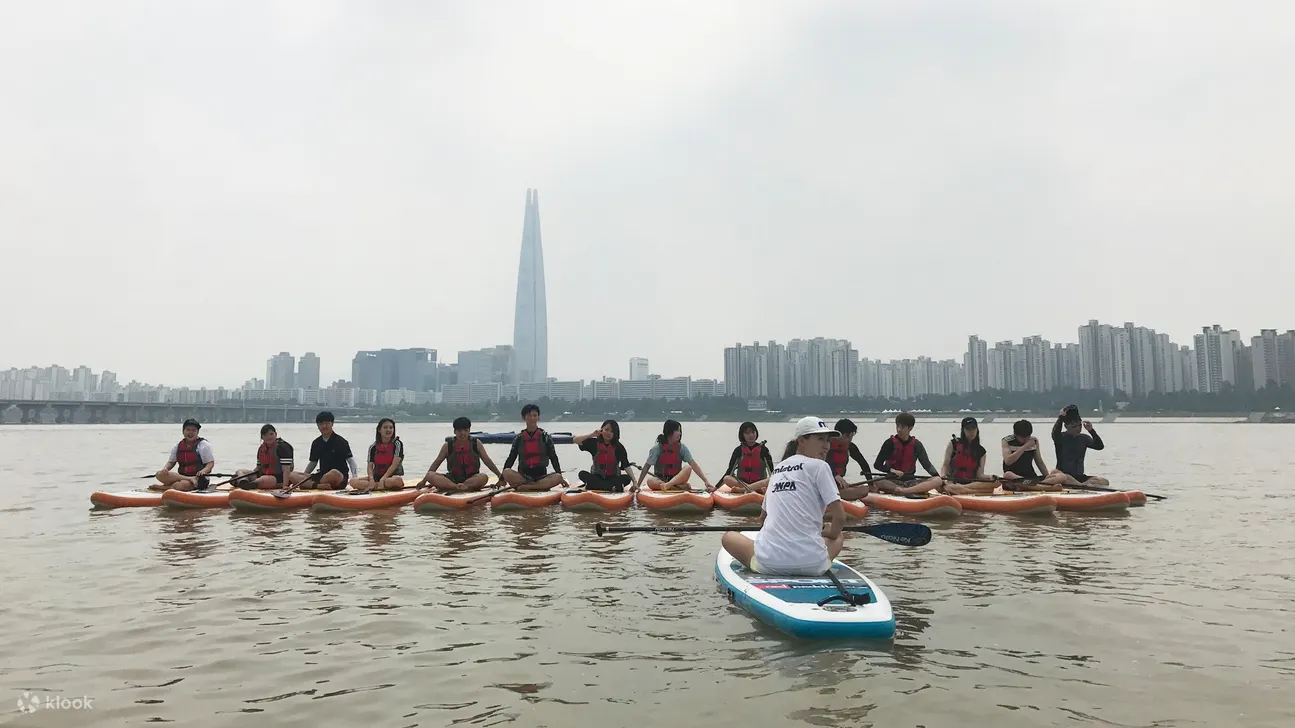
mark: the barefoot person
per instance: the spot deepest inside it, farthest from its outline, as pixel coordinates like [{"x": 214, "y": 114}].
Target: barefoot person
[
  {"x": 332, "y": 453},
  {"x": 464, "y": 455},
  {"x": 1072, "y": 444},
  {"x": 793, "y": 540},
  {"x": 386, "y": 460},
  {"x": 1023, "y": 465},
  {"x": 194, "y": 458},
  {"x": 671, "y": 462},
  {"x": 750, "y": 464},
  {"x": 611, "y": 467},
  {"x": 899, "y": 456},
  {"x": 534, "y": 448},
  {"x": 274, "y": 461}
]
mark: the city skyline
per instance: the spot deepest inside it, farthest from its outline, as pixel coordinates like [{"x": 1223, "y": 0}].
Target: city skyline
[
  {"x": 1038, "y": 181},
  {"x": 1128, "y": 359}
]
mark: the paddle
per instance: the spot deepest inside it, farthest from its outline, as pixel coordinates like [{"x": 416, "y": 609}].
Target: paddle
[
  {"x": 281, "y": 494},
  {"x": 1111, "y": 490},
  {"x": 488, "y": 494},
  {"x": 847, "y": 596},
  {"x": 209, "y": 475},
  {"x": 903, "y": 534}
]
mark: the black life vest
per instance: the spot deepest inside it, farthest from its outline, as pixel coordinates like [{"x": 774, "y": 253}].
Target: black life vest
[
  {"x": 533, "y": 453},
  {"x": 838, "y": 455},
  {"x": 965, "y": 460},
  {"x": 904, "y": 456},
  {"x": 267, "y": 460},
  {"x": 605, "y": 459},
  {"x": 465, "y": 459},
  {"x": 668, "y": 463},
  {"x": 750, "y": 468},
  {"x": 187, "y": 457},
  {"x": 382, "y": 455},
  {"x": 1024, "y": 465}
]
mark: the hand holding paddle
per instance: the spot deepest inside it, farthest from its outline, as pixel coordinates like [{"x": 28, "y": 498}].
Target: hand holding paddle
[
  {"x": 281, "y": 494},
  {"x": 903, "y": 534}
]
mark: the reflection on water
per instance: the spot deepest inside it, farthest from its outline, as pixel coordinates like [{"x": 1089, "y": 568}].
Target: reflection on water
[{"x": 1172, "y": 614}]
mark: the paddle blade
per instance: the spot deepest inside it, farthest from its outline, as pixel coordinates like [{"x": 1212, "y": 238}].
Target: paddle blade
[{"x": 903, "y": 534}]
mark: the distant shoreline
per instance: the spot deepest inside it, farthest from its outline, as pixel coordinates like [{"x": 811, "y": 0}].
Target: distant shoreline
[{"x": 764, "y": 417}]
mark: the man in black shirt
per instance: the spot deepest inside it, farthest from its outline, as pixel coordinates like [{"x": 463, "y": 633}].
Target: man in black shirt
[
  {"x": 332, "y": 453},
  {"x": 1072, "y": 444}
]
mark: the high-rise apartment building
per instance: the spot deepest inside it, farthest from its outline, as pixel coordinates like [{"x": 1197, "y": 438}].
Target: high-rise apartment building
[
  {"x": 638, "y": 369},
  {"x": 308, "y": 371}
]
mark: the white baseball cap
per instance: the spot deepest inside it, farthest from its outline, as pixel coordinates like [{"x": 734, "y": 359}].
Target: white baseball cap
[{"x": 814, "y": 426}]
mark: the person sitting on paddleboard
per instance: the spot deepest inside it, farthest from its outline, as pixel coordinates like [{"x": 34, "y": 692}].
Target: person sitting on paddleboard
[
  {"x": 386, "y": 460},
  {"x": 793, "y": 539},
  {"x": 194, "y": 457},
  {"x": 1072, "y": 444},
  {"x": 962, "y": 466},
  {"x": 839, "y": 455},
  {"x": 671, "y": 462},
  {"x": 465, "y": 455},
  {"x": 1021, "y": 456},
  {"x": 611, "y": 468},
  {"x": 899, "y": 456},
  {"x": 535, "y": 448},
  {"x": 332, "y": 453},
  {"x": 750, "y": 464},
  {"x": 274, "y": 460}
]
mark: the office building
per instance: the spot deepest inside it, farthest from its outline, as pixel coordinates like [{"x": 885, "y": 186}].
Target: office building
[
  {"x": 280, "y": 371},
  {"x": 530, "y": 319},
  {"x": 638, "y": 369}
]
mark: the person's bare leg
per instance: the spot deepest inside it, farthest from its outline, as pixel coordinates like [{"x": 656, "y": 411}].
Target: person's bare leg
[
  {"x": 545, "y": 483},
  {"x": 758, "y": 486},
  {"x": 733, "y": 483},
  {"x": 332, "y": 480},
  {"x": 680, "y": 480},
  {"x": 922, "y": 486},
  {"x": 739, "y": 547},
  {"x": 970, "y": 488},
  {"x": 514, "y": 478},
  {"x": 1097, "y": 480},
  {"x": 441, "y": 482}
]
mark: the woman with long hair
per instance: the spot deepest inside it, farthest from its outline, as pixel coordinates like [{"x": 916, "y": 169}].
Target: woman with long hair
[
  {"x": 671, "y": 462},
  {"x": 750, "y": 464},
  {"x": 611, "y": 467},
  {"x": 963, "y": 467},
  {"x": 386, "y": 458}
]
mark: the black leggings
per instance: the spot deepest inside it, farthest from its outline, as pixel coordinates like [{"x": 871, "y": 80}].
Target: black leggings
[{"x": 616, "y": 483}]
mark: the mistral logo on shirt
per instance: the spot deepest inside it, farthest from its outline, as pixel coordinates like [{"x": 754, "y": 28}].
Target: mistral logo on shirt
[{"x": 789, "y": 468}]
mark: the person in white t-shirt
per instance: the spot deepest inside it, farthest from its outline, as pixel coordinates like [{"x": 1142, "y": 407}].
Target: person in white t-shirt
[{"x": 793, "y": 539}]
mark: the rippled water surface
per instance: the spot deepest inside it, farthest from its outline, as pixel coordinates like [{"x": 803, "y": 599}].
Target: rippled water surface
[{"x": 1180, "y": 613}]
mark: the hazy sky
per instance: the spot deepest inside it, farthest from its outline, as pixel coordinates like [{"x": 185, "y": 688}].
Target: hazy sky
[{"x": 188, "y": 188}]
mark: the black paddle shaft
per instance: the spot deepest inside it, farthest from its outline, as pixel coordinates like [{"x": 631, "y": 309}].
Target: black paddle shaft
[{"x": 903, "y": 534}]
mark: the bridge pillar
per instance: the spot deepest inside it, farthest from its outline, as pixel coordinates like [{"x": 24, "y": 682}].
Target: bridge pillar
[{"x": 11, "y": 415}]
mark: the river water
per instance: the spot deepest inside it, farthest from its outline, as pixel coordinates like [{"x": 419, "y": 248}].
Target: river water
[{"x": 1180, "y": 613}]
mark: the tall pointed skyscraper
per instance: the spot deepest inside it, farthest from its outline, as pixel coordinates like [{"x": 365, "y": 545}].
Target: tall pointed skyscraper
[{"x": 531, "y": 319}]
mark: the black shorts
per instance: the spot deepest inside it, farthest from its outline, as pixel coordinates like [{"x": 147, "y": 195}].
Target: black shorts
[
  {"x": 614, "y": 484},
  {"x": 460, "y": 479},
  {"x": 346, "y": 478}
]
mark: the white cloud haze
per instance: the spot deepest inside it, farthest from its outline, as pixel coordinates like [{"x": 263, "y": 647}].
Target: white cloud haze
[{"x": 188, "y": 188}]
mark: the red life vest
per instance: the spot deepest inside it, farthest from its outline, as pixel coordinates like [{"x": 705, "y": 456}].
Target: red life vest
[
  {"x": 533, "y": 453},
  {"x": 187, "y": 457},
  {"x": 668, "y": 463},
  {"x": 750, "y": 468},
  {"x": 964, "y": 462},
  {"x": 838, "y": 455},
  {"x": 267, "y": 460},
  {"x": 382, "y": 455},
  {"x": 605, "y": 459},
  {"x": 465, "y": 460},
  {"x": 904, "y": 456}
]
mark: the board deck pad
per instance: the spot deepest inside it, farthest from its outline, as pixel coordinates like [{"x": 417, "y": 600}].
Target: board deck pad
[{"x": 802, "y": 589}]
